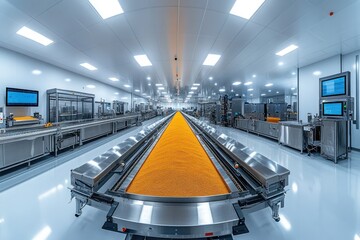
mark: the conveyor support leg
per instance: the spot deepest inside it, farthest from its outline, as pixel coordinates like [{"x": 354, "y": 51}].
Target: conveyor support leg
[
  {"x": 275, "y": 212},
  {"x": 79, "y": 206}
]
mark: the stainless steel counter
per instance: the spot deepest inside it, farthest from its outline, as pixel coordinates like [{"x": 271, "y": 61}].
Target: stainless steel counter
[
  {"x": 37, "y": 141},
  {"x": 292, "y": 135}
]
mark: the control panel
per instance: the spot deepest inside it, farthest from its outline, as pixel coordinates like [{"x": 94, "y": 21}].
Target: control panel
[{"x": 339, "y": 109}]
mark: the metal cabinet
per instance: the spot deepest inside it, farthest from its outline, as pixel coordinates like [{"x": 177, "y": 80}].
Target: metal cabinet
[
  {"x": 334, "y": 139},
  {"x": 292, "y": 135}
]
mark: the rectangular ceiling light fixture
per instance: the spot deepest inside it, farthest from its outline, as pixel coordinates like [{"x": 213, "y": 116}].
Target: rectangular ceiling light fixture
[
  {"x": 88, "y": 66},
  {"x": 287, "y": 50},
  {"x": 114, "y": 79},
  {"x": 196, "y": 84},
  {"x": 246, "y": 8},
  {"x": 143, "y": 60},
  {"x": 158, "y": 84},
  {"x": 193, "y": 88},
  {"x": 161, "y": 88},
  {"x": 35, "y": 36},
  {"x": 107, "y": 8},
  {"x": 127, "y": 85},
  {"x": 211, "y": 59}
]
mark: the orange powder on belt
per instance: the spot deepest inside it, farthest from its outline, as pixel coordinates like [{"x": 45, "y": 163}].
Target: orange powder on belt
[{"x": 178, "y": 166}]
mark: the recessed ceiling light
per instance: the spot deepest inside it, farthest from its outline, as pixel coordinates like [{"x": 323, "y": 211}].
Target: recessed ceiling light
[
  {"x": 263, "y": 94},
  {"x": 293, "y": 73},
  {"x": 211, "y": 78},
  {"x": 243, "y": 95},
  {"x": 254, "y": 76},
  {"x": 90, "y": 86},
  {"x": 108, "y": 8},
  {"x": 280, "y": 63},
  {"x": 36, "y": 72},
  {"x": 193, "y": 88},
  {"x": 191, "y": 92},
  {"x": 161, "y": 88},
  {"x": 196, "y": 84},
  {"x": 248, "y": 83},
  {"x": 124, "y": 98},
  {"x": 209, "y": 96},
  {"x": 149, "y": 84},
  {"x": 293, "y": 88},
  {"x": 148, "y": 78},
  {"x": 236, "y": 83},
  {"x": 250, "y": 89},
  {"x": 211, "y": 59},
  {"x": 137, "y": 90},
  {"x": 127, "y": 85},
  {"x": 268, "y": 85},
  {"x": 251, "y": 94},
  {"x": 232, "y": 90},
  {"x": 67, "y": 80},
  {"x": 114, "y": 79},
  {"x": 287, "y": 50},
  {"x": 317, "y": 73},
  {"x": 164, "y": 93},
  {"x": 35, "y": 36},
  {"x": 269, "y": 90},
  {"x": 215, "y": 84},
  {"x": 158, "y": 84},
  {"x": 236, "y": 95},
  {"x": 143, "y": 60},
  {"x": 144, "y": 94},
  {"x": 246, "y": 8},
  {"x": 88, "y": 66},
  {"x": 116, "y": 93},
  {"x": 222, "y": 90},
  {"x": 277, "y": 92}
]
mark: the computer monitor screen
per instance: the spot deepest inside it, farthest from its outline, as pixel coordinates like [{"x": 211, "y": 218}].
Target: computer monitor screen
[
  {"x": 333, "y": 109},
  {"x": 333, "y": 87},
  {"x": 21, "y": 97}
]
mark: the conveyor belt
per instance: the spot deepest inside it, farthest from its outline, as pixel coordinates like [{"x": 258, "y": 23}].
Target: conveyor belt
[{"x": 178, "y": 166}]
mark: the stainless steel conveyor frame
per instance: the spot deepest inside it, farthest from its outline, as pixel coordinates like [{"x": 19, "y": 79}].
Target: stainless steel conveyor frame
[
  {"x": 38, "y": 141},
  {"x": 260, "y": 183}
]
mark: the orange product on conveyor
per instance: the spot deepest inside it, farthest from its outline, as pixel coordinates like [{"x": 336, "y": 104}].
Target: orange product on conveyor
[
  {"x": 178, "y": 166},
  {"x": 25, "y": 118},
  {"x": 273, "y": 119}
]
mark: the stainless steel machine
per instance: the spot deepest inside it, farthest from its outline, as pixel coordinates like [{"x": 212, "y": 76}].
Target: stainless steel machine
[
  {"x": 278, "y": 110},
  {"x": 255, "y": 183},
  {"x": 104, "y": 109},
  {"x": 120, "y": 108},
  {"x": 336, "y": 111},
  {"x": 65, "y": 105}
]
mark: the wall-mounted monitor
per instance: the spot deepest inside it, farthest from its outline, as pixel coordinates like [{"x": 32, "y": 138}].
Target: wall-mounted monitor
[
  {"x": 21, "y": 97},
  {"x": 335, "y": 86},
  {"x": 333, "y": 109}
]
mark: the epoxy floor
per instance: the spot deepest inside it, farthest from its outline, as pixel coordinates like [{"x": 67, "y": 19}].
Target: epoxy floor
[{"x": 322, "y": 202}]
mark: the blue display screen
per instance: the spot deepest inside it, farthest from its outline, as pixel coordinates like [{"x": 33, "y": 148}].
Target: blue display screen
[
  {"x": 333, "y": 87},
  {"x": 21, "y": 97},
  {"x": 333, "y": 109}
]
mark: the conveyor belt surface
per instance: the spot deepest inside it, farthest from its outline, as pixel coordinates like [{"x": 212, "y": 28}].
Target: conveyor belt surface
[{"x": 178, "y": 166}]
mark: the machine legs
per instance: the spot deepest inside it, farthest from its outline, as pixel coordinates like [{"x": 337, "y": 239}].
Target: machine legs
[{"x": 79, "y": 206}]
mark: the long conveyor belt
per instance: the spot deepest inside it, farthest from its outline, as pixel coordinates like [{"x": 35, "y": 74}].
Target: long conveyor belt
[
  {"x": 179, "y": 179},
  {"x": 178, "y": 166}
]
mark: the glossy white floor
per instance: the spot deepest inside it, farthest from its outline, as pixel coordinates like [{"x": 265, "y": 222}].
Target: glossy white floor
[{"x": 323, "y": 201}]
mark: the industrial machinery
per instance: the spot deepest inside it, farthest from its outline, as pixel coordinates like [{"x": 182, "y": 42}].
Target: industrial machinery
[
  {"x": 64, "y": 105},
  {"x": 255, "y": 111},
  {"x": 120, "y": 108},
  {"x": 336, "y": 111},
  {"x": 253, "y": 182},
  {"x": 278, "y": 110},
  {"x": 2, "y": 118},
  {"x": 104, "y": 109}
]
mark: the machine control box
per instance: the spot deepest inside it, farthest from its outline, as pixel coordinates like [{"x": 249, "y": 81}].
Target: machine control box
[{"x": 338, "y": 109}]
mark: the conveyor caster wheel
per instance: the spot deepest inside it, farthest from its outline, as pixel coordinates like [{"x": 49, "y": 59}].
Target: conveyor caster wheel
[
  {"x": 277, "y": 219},
  {"x": 77, "y": 215}
]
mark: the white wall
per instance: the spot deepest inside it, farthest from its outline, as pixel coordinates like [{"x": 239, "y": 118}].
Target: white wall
[
  {"x": 16, "y": 71},
  {"x": 309, "y": 85},
  {"x": 349, "y": 65}
]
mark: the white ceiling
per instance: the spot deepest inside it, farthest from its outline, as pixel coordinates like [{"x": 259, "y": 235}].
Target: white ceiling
[{"x": 189, "y": 29}]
